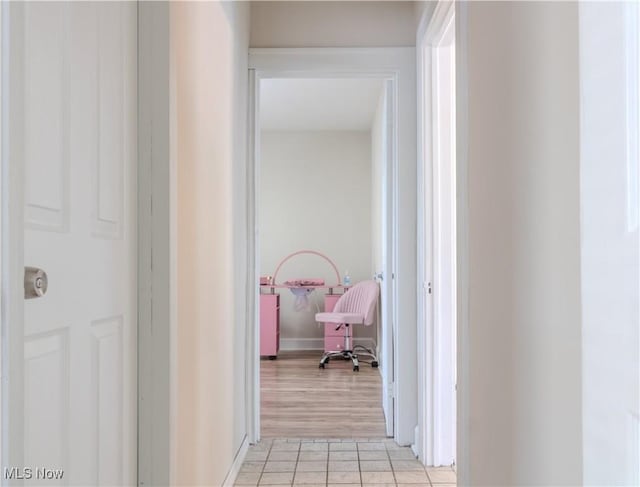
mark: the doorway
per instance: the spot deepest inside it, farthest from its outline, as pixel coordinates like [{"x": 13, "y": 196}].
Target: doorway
[
  {"x": 323, "y": 64},
  {"x": 322, "y": 218}
]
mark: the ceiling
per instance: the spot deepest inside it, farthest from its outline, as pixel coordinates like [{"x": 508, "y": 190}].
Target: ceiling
[{"x": 318, "y": 104}]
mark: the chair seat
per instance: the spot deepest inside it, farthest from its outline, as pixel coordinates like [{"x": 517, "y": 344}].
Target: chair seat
[{"x": 351, "y": 318}]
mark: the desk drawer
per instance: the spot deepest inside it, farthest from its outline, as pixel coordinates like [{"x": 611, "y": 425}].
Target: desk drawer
[
  {"x": 330, "y": 330},
  {"x": 269, "y": 324},
  {"x": 333, "y": 343}
]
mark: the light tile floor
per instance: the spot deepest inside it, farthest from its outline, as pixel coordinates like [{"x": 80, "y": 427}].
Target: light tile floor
[{"x": 344, "y": 463}]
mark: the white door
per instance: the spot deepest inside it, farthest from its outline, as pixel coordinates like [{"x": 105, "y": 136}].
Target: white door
[
  {"x": 385, "y": 259},
  {"x": 72, "y": 155}
]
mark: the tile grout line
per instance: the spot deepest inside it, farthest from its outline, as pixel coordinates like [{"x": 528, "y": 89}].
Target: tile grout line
[
  {"x": 393, "y": 472},
  {"x": 359, "y": 466},
  {"x": 295, "y": 468},
  {"x": 265, "y": 464},
  {"x": 326, "y": 477}
]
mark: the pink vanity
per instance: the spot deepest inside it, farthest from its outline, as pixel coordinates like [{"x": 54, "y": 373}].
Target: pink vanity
[{"x": 270, "y": 309}]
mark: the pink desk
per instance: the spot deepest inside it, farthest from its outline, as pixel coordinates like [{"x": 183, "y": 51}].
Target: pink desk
[
  {"x": 270, "y": 309},
  {"x": 270, "y": 320}
]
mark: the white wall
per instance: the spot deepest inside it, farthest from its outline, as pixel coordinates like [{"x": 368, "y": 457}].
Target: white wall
[
  {"x": 610, "y": 246},
  {"x": 332, "y": 24},
  {"x": 520, "y": 311},
  {"x": 315, "y": 193},
  {"x": 209, "y": 86},
  {"x": 424, "y": 8},
  {"x": 239, "y": 18}
]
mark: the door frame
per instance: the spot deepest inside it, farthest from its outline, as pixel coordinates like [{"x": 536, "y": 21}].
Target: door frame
[
  {"x": 12, "y": 302},
  {"x": 432, "y": 397},
  {"x": 388, "y": 172},
  {"x": 397, "y": 64},
  {"x": 157, "y": 248},
  {"x": 2, "y": 219}
]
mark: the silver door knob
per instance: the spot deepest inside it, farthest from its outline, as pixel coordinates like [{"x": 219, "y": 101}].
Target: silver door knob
[{"x": 35, "y": 282}]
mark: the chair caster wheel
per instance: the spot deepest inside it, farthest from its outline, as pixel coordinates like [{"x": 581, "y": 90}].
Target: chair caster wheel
[
  {"x": 321, "y": 366},
  {"x": 374, "y": 364},
  {"x": 356, "y": 368}
]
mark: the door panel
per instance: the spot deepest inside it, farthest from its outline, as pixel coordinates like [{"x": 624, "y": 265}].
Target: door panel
[
  {"x": 46, "y": 374},
  {"x": 74, "y": 136},
  {"x": 108, "y": 212},
  {"x": 46, "y": 101},
  {"x": 107, "y": 400}
]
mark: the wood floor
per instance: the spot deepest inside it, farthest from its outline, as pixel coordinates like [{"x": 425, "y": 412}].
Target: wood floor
[{"x": 299, "y": 400}]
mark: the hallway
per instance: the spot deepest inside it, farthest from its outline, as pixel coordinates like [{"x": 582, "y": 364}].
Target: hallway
[
  {"x": 480, "y": 161},
  {"x": 351, "y": 463},
  {"x": 299, "y": 400}
]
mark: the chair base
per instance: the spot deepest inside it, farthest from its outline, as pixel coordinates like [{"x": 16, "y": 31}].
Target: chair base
[{"x": 350, "y": 355}]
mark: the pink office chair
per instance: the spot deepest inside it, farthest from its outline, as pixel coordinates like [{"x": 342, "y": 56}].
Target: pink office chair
[{"x": 356, "y": 307}]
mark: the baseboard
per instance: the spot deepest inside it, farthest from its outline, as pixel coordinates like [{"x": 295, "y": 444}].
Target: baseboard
[
  {"x": 291, "y": 344},
  {"x": 230, "y": 479},
  {"x": 414, "y": 445},
  {"x": 365, "y": 342},
  {"x": 299, "y": 344}
]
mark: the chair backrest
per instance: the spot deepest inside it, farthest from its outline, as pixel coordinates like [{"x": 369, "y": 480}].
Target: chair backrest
[{"x": 360, "y": 299}]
